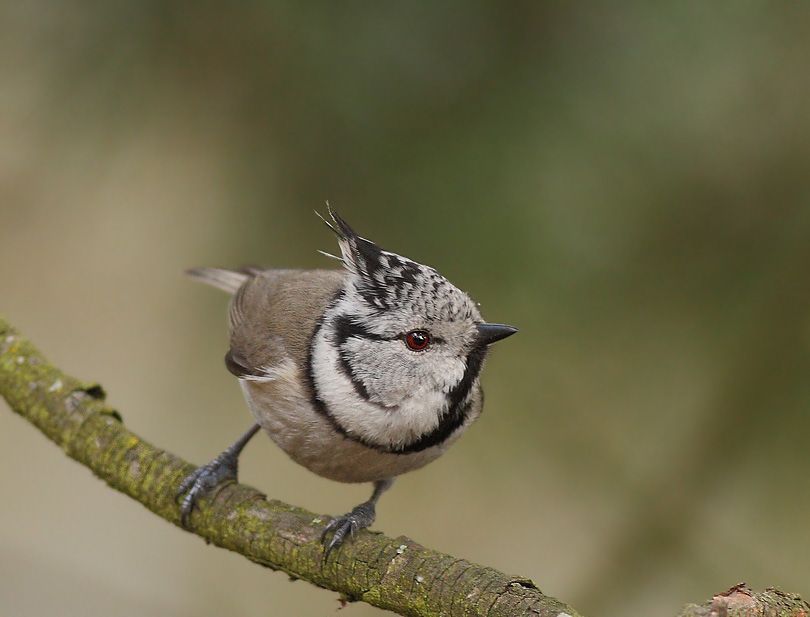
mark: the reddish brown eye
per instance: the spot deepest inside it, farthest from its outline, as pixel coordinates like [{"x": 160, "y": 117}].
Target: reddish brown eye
[{"x": 417, "y": 340}]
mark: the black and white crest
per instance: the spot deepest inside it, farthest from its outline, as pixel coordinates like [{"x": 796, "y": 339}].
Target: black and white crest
[{"x": 385, "y": 280}]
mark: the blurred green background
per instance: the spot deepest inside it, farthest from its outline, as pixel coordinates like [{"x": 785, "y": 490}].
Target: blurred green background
[{"x": 628, "y": 183}]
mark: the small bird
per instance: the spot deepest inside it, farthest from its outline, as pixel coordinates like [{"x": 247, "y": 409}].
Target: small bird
[{"x": 360, "y": 374}]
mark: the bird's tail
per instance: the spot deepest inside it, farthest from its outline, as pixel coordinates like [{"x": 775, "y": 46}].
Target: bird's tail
[{"x": 222, "y": 278}]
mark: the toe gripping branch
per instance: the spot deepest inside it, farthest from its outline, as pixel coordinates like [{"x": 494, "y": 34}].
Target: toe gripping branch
[
  {"x": 360, "y": 517},
  {"x": 207, "y": 477},
  {"x": 340, "y": 527},
  {"x": 225, "y": 468},
  {"x": 202, "y": 481}
]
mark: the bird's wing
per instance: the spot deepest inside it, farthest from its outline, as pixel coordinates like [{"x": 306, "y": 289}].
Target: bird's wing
[{"x": 273, "y": 315}]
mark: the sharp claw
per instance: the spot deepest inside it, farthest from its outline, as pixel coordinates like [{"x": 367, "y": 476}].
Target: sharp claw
[
  {"x": 186, "y": 508},
  {"x": 348, "y": 524},
  {"x": 186, "y": 485},
  {"x": 201, "y": 482},
  {"x": 188, "y": 493},
  {"x": 336, "y": 528},
  {"x": 206, "y": 478},
  {"x": 332, "y": 544}
]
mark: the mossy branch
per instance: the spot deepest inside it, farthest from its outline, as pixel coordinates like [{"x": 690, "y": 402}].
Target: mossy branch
[
  {"x": 392, "y": 573},
  {"x": 395, "y": 574}
]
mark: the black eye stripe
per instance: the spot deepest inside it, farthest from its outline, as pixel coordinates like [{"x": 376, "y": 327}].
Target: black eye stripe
[
  {"x": 351, "y": 326},
  {"x": 347, "y": 327}
]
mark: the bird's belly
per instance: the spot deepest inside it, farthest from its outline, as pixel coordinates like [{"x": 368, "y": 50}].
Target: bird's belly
[{"x": 283, "y": 409}]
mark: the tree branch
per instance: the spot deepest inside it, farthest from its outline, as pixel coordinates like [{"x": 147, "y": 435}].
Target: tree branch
[
  {"x": 395, "y": 574},
  {"x": 739, "y": 601}
]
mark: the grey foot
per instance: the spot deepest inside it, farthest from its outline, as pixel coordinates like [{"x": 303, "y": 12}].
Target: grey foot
[
  {"x": 347, "y": 525},
  {"x": 209, "y": 476},
  {"x": 202, "y": 481}
]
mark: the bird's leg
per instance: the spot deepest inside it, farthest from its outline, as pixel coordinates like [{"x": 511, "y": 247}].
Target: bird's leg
[
  {"x": 360, "y": 517},
  {"x": 207, "y": 477}
]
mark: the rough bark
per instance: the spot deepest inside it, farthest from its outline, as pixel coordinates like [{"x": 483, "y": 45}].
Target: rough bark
[
  {"x": 392, "y": 573},
  {"x": 740, "y": 601}
]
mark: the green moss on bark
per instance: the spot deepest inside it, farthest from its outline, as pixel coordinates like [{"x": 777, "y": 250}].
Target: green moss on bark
[{"x": 395, "y": 574}]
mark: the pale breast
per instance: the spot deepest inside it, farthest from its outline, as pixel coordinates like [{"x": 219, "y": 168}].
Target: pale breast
[{"x": 283, "y": 409}]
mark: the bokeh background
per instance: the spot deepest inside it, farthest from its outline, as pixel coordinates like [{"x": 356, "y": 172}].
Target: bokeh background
[{"x": 628, "y": 183}]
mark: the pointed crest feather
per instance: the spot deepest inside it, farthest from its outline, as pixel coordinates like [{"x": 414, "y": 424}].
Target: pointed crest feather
[
  {"x": 327, "y": 223},
  {"x": 343, "y": 231},
  {"x": 330, "y": 256},
  {"x": 360, "y": 256}
]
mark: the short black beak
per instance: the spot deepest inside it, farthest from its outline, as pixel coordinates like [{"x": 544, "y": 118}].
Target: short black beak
[{"x": 489, "y": 333}]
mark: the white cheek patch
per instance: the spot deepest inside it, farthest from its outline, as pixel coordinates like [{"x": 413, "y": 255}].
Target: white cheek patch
[
  {"x": 381, "y": 369},
  {"x": 407, "y": 414}
]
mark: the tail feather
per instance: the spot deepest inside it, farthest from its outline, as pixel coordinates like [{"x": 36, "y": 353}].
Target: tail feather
[{"x": 226, "y": 280}]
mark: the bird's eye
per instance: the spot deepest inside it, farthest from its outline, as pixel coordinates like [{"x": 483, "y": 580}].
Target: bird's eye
[{"x": 417, "y": 340}]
